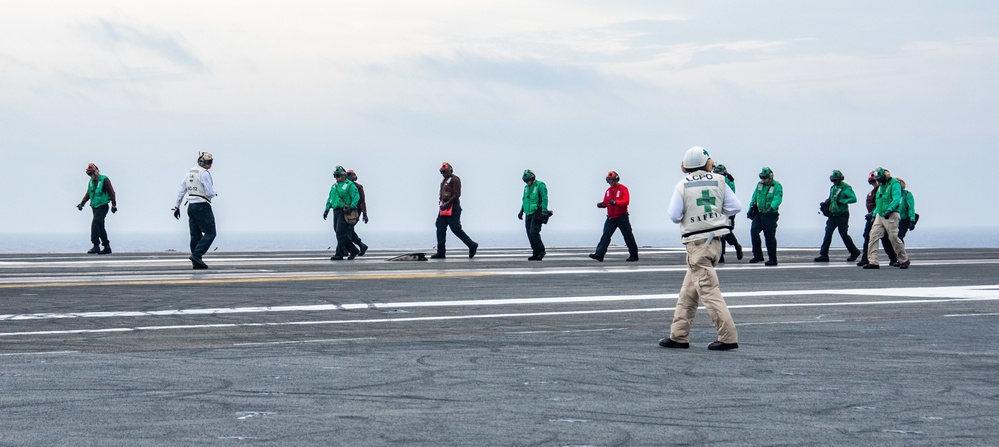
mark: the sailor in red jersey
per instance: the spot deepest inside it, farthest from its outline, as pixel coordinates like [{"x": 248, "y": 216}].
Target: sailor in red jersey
[{"x": 616, "y": 201}]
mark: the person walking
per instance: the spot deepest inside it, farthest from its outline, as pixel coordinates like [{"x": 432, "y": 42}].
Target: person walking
[
  {"x": 701, "y": 204},
  {"x": 886, "y": 219},
  {"x": 343, "y": 200},
  {"x": 730, "y": 237},
  {"x": 906, "y": 212},
  {"x": 99, "y": 193},
  {"x": 449, "y": 214},
  {"x": 764, "y": 211},
  {"x": 616, "y": 201},
  {"x": 534, "y": 205},
  {"x": 871, "y": 203},
  {"x": 199, "y": 189},
  {"x": 362, "y": 207},
  {"x": 841, "y": 195}
]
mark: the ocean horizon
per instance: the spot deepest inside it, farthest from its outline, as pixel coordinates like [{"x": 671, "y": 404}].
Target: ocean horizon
[{"x": 78, "y": 242}]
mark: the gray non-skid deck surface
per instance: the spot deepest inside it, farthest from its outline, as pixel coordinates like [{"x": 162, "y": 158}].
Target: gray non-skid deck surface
[{"x": 289, "y": 348}]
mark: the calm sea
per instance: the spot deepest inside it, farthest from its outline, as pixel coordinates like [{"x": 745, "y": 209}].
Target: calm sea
[{"x": 424, "y": 240}]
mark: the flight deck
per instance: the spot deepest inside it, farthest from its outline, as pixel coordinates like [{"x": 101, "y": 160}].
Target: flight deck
[{"x": 291, "y": 348}]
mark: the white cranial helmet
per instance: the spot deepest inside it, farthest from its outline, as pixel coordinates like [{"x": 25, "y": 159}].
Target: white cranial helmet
[{"x": 695, "y": 157}]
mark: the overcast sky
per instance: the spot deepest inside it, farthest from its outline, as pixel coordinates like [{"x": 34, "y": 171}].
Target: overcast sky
[{"x": 283, "y": 91}]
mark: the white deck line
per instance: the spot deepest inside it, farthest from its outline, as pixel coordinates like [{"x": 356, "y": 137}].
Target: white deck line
[{"x": 921, "y": 295}]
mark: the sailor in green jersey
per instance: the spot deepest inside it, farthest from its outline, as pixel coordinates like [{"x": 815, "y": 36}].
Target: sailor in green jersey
[
  {"x": 342, "y": 200},
  {"x": 99, "y": 193},
  {"x": 764, "y": 208},
  {"x": 886, "y": 219},
  {"x": 730, "y": 237},
  {"x": 534, "y": 204},
  {"x": 840, "y": 196},
  {"x": 906, "y": 212}
]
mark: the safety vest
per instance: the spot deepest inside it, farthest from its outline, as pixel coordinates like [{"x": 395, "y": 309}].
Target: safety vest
[
  {"x": 195, "y": 187},
  {"x": 95, "y": 189},
  {"x": 703, "y": 196}
]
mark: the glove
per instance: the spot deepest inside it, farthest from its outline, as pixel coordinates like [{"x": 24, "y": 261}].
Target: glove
[
  {"x": 176, "y": 213},
  {"x": 326, "y": 214},
  {"x": 520, "y": 215},
  {"x": 79, "y": 207},
  {"x": 869, "y": 216},
  {"x": 365, "y": 218},
  {"x": 347, "y": 209},
  {"x": 114, "y": 209},
  {"x": 912, "y": 226},
  {"x": 601, "y": 205},
  {"x": 613, "y": 202},
  {"x": 445, "y": 206}
]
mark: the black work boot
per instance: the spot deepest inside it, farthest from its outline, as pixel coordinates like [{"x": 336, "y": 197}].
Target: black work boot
[
  {"x": 720, "y": 346},
  {"x": 669, "y": 343},
  {"x": 853, "y": 256},
  {"x": 95, "y": 250}
]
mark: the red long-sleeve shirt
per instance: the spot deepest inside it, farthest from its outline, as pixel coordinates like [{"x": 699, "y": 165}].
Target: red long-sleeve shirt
[
  {"x": 621, "y": 199},
  {"x": 872, "y": 198}
]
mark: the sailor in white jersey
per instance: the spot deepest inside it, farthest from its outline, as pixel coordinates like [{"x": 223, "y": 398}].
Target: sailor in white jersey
[
  {"x": 199, "y": 190},
  {"x": 702, "y": 204}
]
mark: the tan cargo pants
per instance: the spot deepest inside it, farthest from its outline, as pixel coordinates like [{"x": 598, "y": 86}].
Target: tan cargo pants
[
  {"x": 878, "y": 229},
  {"x": 701, "y": 285}
]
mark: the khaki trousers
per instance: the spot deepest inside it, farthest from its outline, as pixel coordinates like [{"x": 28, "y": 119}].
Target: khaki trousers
[
  {"x": 878, "y": 229},
  {"x": 701, "y": 285}
]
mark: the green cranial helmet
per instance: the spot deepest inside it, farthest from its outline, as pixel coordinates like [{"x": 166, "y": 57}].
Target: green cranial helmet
[
  {"x": 339, "y": 171},
  {"x": 766, "y": 173},
  {"x": 879, "y": 173},
  {"x": 720, "y": 169},
  {"x": 836, "y": 175},
  {"x": 528, "y": 175}
]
